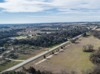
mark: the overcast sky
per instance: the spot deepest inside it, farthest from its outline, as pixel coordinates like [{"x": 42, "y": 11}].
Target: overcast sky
[{"x": 37, "y": 11}]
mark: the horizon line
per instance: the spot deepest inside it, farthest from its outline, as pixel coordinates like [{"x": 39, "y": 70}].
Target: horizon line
[{"x": 54, "y": 22}]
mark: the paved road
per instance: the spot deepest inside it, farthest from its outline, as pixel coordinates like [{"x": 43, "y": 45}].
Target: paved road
[
  {"x": 59, "y": 51},
  {"x": 50, "y": 56},
  {"x": 36, "y": 57}
]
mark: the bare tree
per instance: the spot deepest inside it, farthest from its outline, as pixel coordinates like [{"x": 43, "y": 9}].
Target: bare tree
[{"x": 88, "y": 48}]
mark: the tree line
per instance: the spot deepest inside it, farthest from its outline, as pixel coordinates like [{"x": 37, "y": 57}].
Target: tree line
[
  {"x": 4, "y": 35},
  {"x": 47, "y": 40},
  {"x": 96, "y": 34}
]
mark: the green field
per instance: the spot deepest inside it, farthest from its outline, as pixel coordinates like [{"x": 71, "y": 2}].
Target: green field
[
  {"x": 21, "y": 37},
  {"x": 8, "y": 65},
  {"x": 54, "y": 45}
]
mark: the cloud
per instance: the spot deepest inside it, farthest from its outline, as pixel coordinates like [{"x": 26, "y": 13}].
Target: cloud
[
  {"x": 24, "y": 5},
  {"x": 66, "y": 6}
]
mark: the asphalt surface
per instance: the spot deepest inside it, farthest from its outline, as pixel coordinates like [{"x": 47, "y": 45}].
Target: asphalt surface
[{"x": 36, "y": 57}]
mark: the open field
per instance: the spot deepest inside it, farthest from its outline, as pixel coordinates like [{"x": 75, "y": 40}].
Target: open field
[
  {"x": 98, "y": 29},
  {"x": 7, "y": 65},
  {"x": 32, "y": 54},
  {"x": 21, "y": 57},
  {"x": 75, "y": 59},
  {"x": 20, "y": 37},
  {"x": 72, "y": 59}
]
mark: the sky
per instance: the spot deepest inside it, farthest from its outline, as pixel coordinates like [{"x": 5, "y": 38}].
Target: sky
[{"x": 44, "y": 11}]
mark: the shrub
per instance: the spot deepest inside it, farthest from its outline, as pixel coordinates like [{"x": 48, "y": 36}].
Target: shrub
[
  {"x": 84, "y": 34},
  {"x": 88, "y": 48},
  {"x": 13, "y": 56},
  {"x": 96, "y": 70},
  {"x": 13, "y": 72},
  {"x": 95, "y": 57}
]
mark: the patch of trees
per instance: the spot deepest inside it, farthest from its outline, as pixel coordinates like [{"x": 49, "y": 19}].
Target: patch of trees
[
  {"x": 96, "y": 34},
  {"x": 30, "y": 70},
  {"x": 84, "y": 35},
  {"x": 5, "y": 34},
  {"x": 53, "y": 38},
  {"x": 12, "y": 56},
  {"x": 88, "y": 48},
  {"x": 72, "y": 40},
  {"x": 3, "y": 41},
  {"x": 95, "y": 59},
  {"x": 13, "y": 72},
  {"x": 4, "y": 27}
]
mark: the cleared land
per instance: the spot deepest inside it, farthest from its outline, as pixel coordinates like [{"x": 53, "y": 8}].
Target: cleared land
[
  {"x": 98, "y": 29},
  {"x": 20, "y": 37},
  {"x": 72, "y": 59},
  {"x": 31, "y": 54},
  {"x": 7, "y": 65}
]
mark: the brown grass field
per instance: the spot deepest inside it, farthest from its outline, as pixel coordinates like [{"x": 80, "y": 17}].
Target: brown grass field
[
  {"x": 71, "y": 59},
  {"x": 98, "y": 29}
]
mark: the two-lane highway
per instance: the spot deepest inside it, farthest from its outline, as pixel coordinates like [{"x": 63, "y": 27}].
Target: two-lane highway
[{"x": 38, "y": 56}]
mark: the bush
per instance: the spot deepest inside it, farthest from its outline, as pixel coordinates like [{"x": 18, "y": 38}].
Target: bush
[
  {"x": 32, "y": 70},
  {"x": 88, "y": 48},
  {"x": 13, "y": 72},
  {"x": 95, "y": 57},
  {"x": 12, "y": 56},
  {"x": 96, "y": 70},
  {"x": 72, "y": 41},
  {"x": 84, "y": 34}
]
